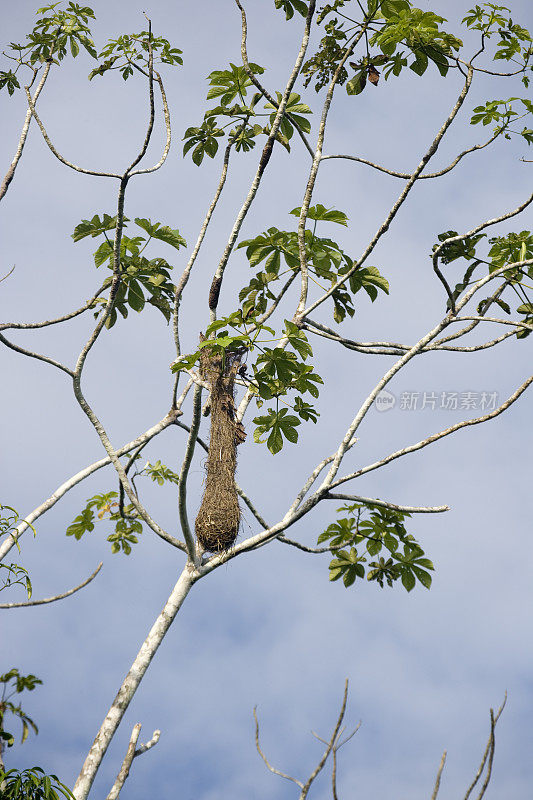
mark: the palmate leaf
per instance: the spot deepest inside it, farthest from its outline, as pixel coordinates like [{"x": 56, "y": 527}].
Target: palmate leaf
[
  {"x": 162, "y": 232},
  {"x": 95, "y": 226},
  {"x": 278, "y": 424},
  {"x": 32, "y": 784},
  {"x": 290, "y": 6},
  {"x": 231, "y": 84},
  {"x": 383, "y": 528},
  {"x": 323, "y": 214}
]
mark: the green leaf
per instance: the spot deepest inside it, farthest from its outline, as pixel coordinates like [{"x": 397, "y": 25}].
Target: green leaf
[
  {"x": 10, "y": 80},
  {"x": 423, "y": 576},
  {"x": 290, "y": 6},
  {"x": 95, "y": 226},
  {"x": 320, "y": 212},
  {"x": 162, "y": 232},
  {"x": 408, "y": 580},
  {"x": 82, "y": 524}
]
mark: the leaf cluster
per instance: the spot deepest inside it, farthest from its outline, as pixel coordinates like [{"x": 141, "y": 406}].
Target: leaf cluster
[
  {"x": 503, "y": 113},
  {"x": 56, "y": 33},
  {"x": 513, "y": 41},
  {"x": 105, "y": 507},
  {"x": 14, "y": 683},
  {"x": 326, "y": 260},
  {"x": 275, "y": 373},
  {"x": 291, "y": 6},
  {"x": 16, "y": 575},
  {"x": 420, "y": 32},
  {"x": 32, "y": 784},
  {"x": 355, "y": 540},
  {"x": 230, "y": 88},
  {"x": 404, "y": 36},
  {"x": 133, "y": 50},
  {"x": 142, "y": 280},
  {"x": 511, "y": 249}
]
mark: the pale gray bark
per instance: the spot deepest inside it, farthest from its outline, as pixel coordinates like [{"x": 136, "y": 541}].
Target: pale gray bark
[{"x": 131, "y": 682}]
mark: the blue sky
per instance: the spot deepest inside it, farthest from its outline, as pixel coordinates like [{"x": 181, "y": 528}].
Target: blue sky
[{"x": 268, "y": 628}]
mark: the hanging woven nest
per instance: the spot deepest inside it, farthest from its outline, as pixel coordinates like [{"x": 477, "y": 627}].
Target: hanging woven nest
[{"x": 218, "y": 520}]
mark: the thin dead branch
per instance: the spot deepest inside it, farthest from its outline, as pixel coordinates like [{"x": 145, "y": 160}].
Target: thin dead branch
[{"x": 57, "y": 596}]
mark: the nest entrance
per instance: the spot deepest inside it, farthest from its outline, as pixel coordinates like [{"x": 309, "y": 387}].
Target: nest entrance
[{"x": 218, "y": 520}]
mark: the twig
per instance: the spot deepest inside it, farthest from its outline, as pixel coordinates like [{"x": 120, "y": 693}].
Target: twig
[
  {"x": 434, "y": 437},
  {"x": 384, "y": 504},
  {"x": 57, "y": 596},
  {"x": 37, "y": 356},
  {"x": 61, "y": 490},
  {"x": 255, "y": 80},
  {"x": 32, "y": 325},
  {"x": 126, "y": 764},
  {"x": 268, "y": 764},
  {"x": 182, "y": 485},
  {"x": 57, "y": 154},
  {"x": 11, "y": 271},
  {"x": 403, "y": 196},
  {"x": 488, "y": 754},
  {"x": 265, "y": 158},
  {"x": 24, "y": 133},
  {"x": 330, "y": 745},
  {"x": 407, "y": 175},
  {"x": 439, "y": 775},
  {"x": 148, "y": 745}
]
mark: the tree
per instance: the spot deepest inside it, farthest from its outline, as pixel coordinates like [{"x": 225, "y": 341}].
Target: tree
[{"x": 252, "y": 356}]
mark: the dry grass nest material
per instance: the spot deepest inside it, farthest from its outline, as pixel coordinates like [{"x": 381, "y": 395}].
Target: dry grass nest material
[{"x": 219, "y": 517}]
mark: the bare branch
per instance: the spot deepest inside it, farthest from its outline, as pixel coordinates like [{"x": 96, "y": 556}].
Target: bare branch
[
  {"x": 268, "y": 764},
  {"x": 148, "y": 136},
  {"x": 329, "y": 748},
  {"x": 57, "y": 154},
  {"x": 314, "y": 550},
  {"x": 166, "y": 149},
  {"x": 61, "y": 490},
  {"x": 439, "y": 775},
  {"x": 187, "y": 271},
  {"x": 407, "y": 175},
  {"x": 24, "y": 133},
  {"x": 403, "y": 196},
  {"x": 57, "y": 596},
  {"x": 148, "y": 745},
  {"x": 255, "y": 80},
  {"x": 182, "y": 486},
  {"x": 265, "y": 158},
  {"x": 434, "y": 437},
  {"x": 487, "y": 755},
  {"x": 383, "y": 504},
  {"x": 126, "y": 764},
  {"x": 131, "y": 682},
  {"x": 37, "y": 356},
  {"x": 32, "y": 325},
  {"x": 306, "y": 202},
  {"x": 251, "y": 506},
  {"x": 514, "y": 323}
]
